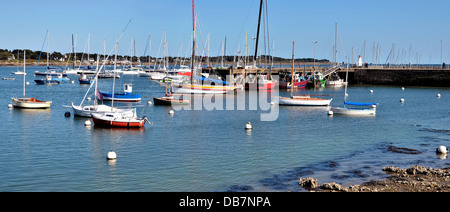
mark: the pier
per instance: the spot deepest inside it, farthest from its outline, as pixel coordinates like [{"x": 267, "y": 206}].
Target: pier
[{"x": 434, "y": 76}]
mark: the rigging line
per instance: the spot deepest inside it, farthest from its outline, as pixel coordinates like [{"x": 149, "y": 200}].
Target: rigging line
[
  {"x": 243, "y": 24},
  {"x": 104, "y": 62},
  {"x": 40, "y": 53}
]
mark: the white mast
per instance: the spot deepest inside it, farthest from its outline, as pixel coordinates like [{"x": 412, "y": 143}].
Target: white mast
[
  {"x": 114, "y": 79},
  {"x": 24, "y": 73},
  {"x": 47, "y": 49}
]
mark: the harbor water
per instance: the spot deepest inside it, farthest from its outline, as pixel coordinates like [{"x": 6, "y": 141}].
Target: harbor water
[{"x": 210, "y": 150}]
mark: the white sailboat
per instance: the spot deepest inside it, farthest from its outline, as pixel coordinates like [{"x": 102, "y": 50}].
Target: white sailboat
[
  {"x": 29, "y": 102},
  {"x": 354, "y": 108},
  {"x": 302, "y": 100},
  {"x": 88, "y": 110}
]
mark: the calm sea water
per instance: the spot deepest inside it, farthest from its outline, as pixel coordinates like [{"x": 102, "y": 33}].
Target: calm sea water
[{"x": 203, "y": 150}]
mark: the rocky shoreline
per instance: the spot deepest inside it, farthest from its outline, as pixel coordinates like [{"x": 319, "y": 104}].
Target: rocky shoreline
[{"x": 413, "y": 179}]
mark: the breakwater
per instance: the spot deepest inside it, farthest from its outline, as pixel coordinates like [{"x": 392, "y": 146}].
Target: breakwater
[{"x": 402, "y": 76}]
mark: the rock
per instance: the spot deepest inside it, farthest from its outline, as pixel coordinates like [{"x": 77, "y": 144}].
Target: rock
[
  {"x": 308, "y": 183},
  {"x": 332, "y": 186},
  {"x": 417, "y": 170}
]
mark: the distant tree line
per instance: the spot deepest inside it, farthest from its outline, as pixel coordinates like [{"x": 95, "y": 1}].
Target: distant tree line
[{"x": 6, "y": 54}]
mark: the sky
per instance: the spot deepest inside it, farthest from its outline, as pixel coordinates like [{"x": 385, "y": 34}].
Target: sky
[{"x": 415, "y": 28}]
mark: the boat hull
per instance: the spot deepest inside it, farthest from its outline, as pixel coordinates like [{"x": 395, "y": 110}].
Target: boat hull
[
  {"x": 46, "y": 82},
  {"x": 169, "y": 101},
  {"x": 122, "y": 97},
  {"x": 104, "y": 121},
  {"x": 304, "y": 101},
  {"x": 87, "y": 111},
  {"x": 353, "y": 112},
  {"x": 261, "y": 86},
  {"x": 201, "y": 89},
  {"x": 30, "y": 103},
  {"x": 284, "y": 85}
]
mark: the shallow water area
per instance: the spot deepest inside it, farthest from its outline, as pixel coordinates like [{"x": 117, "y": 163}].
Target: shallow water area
[{"x": 209, "y": 150}]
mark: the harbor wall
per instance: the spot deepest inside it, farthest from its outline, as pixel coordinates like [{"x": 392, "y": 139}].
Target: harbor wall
[{"x": 401, "y": 77}]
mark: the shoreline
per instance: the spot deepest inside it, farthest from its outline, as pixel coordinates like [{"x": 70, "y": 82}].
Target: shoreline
[{"x": 413, "y": 179}]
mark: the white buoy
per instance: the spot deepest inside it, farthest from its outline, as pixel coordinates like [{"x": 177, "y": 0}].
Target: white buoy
[
  {"x": 346, "y": 95},
  {"x": 73, "y": 81},
  {"x": 28, "y": 83},
  {"x": 149, "y": 103},
  {"x": 87, "y": 123},
  {"x": 371, "y": 91},
  {"x": 10, "y": 105},
  {"x": 111, "y": 155},
  {"x": 330, "y": 113},
  {"x": 402, "y": 100},
  {"x": 171, "y": 112},
  {"x": 438, "y": 95},
  {"x": 89, "y": 98},
  {"x": 442, "y": 150},
  {"x": 248, "y": 126},
  {"x": 403, "y": 88}
]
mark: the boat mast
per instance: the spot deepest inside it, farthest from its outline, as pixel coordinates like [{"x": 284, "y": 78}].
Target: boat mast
[
  {"x": 259, "y": 24},
  {"x": 335, "y": 45},
  {"x": 47, "y": 49},
  {"x": 292, "y": 73},
  {"x": 24, "y": 72},
  {"x": 73, "y": 52},
  {"x": 193, "y": 44},
  {"x": 114, "y": 78},
  {"x": 149, "y": 49}
]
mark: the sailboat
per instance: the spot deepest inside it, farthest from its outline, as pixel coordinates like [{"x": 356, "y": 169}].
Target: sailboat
[
  {"x": 195, "y": 86},
  {"x": 50, "y": 72},
  {"x": 334, "y": 79},
  {"x": 29, "y": 102},
  {"x": 302, "y": 100},
  {"x": 88, "y": 110},
  {"x": 354, "y": 108}
]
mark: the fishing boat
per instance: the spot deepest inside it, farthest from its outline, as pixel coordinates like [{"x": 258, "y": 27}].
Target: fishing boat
[
  {"x": 47, "y": 81},
  {"x": 335, "y": 81},
  {"x": 118, "y": 120},
  {"x": 84, "y": 79},
  {"x": 29, "y": 102},
  {"x": 126, "y": 96},
  {"x": 298, "y": 82},
  {"x": 302, "y": 100}
]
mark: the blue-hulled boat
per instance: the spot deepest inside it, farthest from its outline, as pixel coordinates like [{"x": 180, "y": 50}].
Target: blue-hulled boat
[
  {"x": 85, "y": 80},
  {"x": 126, "y": 96}
]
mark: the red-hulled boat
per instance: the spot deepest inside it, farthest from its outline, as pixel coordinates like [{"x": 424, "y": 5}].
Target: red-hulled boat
[
  {"x": 263, "y": 83},
  {"x": 119, "y": 120}
]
